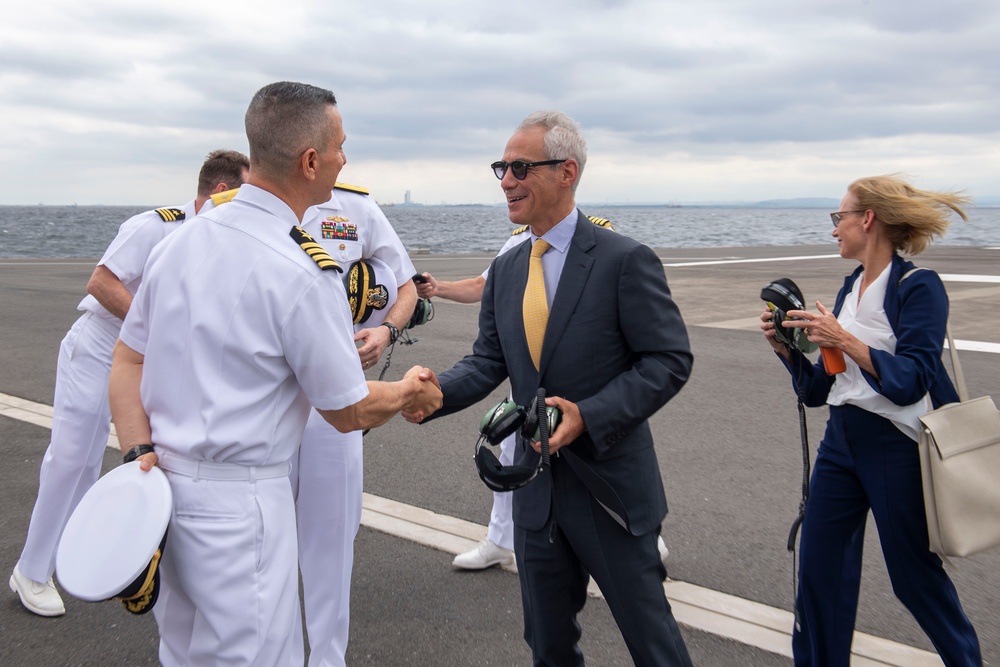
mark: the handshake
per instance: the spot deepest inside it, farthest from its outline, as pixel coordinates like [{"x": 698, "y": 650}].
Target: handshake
[{"x": 423, "y": 394}]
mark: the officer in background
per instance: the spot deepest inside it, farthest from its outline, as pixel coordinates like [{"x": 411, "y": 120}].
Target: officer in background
[
  {"x": 329, "y": 476},
  {"x": 81, "y": 419},
  {"x": 266, "y": 334}
]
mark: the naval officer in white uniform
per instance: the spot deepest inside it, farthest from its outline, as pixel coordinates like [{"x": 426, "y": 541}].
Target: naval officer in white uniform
[
  {"x": 240, "y": 326},
  {"x": 81, "y": 419},
  {"x": 329, "y": 475}
]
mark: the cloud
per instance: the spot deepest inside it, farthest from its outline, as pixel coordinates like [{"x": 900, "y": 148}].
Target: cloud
[{"x": 113, "y": 102}]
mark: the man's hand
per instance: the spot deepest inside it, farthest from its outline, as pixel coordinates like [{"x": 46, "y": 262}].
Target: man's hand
[
  {"x": 428, "y": 398},
  {"x": 570, "y": 427},
  {"x": 375, "y": 340},
  {"x": 426, "y": 290},
  {"x": 147, "y": 461}
]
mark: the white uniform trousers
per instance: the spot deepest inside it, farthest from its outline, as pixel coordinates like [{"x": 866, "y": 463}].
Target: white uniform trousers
[
  {"x": 501, "y": 529},
  {"x": 81, "y": 422},
  {"x": 329, "y": 487},
  {"x": 229, "y": 585}
]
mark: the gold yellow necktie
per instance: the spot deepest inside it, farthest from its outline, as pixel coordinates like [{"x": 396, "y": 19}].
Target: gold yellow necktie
[{"x": 535, "y": 308}]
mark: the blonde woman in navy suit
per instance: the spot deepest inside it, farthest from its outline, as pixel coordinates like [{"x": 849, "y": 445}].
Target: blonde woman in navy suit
[{"x": 890, "y": 326}]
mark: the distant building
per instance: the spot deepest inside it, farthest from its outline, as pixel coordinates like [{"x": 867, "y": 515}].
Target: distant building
[{"x": 406, "y": 198}]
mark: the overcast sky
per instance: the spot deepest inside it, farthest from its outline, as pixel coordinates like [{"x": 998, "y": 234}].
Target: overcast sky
[{"x": 117, "y": 102}]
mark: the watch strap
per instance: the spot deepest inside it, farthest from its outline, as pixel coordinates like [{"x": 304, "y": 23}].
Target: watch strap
[
  {"x": 393, "y": 331},
  {"x": 136, "y": 452}
]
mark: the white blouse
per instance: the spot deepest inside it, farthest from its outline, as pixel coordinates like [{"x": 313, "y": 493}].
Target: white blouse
[{"x": 865, "y": 318}]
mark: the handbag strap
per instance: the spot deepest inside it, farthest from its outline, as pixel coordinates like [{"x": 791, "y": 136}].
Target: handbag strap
[{"x": 956, "y": 366}]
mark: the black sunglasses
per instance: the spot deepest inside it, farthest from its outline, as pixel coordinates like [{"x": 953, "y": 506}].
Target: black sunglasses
[{"x": 518, "y": 167}]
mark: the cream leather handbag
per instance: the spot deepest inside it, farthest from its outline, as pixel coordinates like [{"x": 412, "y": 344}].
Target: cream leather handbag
[{"x": 960, "y": 464}]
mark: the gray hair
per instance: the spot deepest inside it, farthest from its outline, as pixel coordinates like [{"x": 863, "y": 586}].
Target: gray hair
[
  {"x": 562, "y": 137},
  {"x": 283, "y": 120}
]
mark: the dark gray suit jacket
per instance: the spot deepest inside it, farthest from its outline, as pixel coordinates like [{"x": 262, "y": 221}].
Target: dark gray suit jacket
[{"x": 615, "y": 345}]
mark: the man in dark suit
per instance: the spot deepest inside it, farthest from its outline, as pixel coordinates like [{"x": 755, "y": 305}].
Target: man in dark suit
[{"x": 612, "y": 349}]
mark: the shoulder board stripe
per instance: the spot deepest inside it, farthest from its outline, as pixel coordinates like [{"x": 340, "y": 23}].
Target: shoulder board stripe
[
  {"x": 221, "y": 198},
  {"x": 351, "y": 188},
  {"x": 314, "y": 250},
  {"x": 170, "y": 214},
  {"x": 601, "y": 222},
  {"x": 520, "y": 230}
]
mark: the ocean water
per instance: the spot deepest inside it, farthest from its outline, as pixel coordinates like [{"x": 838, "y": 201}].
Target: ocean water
[{"x": 85, "y": 231}]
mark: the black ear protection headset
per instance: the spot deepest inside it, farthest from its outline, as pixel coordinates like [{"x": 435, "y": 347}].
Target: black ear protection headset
[
  {"x": 781, "y": 296},
  {"x": 503, "y": 419}
]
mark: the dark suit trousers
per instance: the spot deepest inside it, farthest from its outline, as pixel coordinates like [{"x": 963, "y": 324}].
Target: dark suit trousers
[
  {"x": 553, "y": 566},
  {"x": 865, "y": 462}
]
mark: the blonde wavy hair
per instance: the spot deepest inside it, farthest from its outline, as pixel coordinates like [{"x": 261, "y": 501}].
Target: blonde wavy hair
[{"x": 911, "y": 217}]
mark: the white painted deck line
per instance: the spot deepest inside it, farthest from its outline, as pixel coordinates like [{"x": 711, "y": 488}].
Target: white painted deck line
[
  {"x": 750, "y": 261},
  {"x": 968, "y": 278},
  {"x": 753, "y": 324},
  {"x": 975, "y": 346},
  {"x": 745, "y": 621}
]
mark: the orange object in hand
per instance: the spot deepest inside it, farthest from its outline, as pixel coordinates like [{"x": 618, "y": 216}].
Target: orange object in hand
[{"x": 833, "y": 360}]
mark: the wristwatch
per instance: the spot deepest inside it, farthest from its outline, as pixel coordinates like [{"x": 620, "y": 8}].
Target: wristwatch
[
  {"x": 136, "y": 452},
  {"x": 393, "y": 332}
]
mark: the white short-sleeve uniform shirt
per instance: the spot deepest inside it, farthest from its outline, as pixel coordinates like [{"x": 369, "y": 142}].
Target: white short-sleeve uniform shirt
[
  {"x": 351, "y": 226},
  {"x": 127, "y": 254},
  {"x": 241, "y": 333},
  {"x": 515, "y": 240}
]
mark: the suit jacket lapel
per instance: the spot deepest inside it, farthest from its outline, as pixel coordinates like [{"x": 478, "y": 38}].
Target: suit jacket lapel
[{"x": 574, "y": 277}]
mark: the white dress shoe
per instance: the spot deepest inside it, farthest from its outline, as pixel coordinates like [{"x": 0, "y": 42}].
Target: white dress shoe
[
  {"x": 486, "y": 554},
  {"x": 40, "y": 598}
]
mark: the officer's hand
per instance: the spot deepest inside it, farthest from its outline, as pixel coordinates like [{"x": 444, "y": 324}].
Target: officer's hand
[
  {"x": 427, "y": 398},
  {"x": 374, "y": 340},
  {"x": 147, "y": 461},
  {"x": 427, "y": 289}
]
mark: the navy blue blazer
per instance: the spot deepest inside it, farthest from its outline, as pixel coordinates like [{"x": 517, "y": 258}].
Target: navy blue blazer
[
  {"x": 917, "y": 309},
  {"x": 615, "y": 345}
]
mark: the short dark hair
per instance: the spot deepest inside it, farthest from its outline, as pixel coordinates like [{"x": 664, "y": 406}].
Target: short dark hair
[
  {"x": 222, "y": 166},
  {"x": 283, "y": 120}
]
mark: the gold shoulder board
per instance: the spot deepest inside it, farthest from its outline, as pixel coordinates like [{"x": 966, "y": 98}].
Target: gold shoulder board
[
  {"x": 601, "y": 222},
  {"x": 314, "y": 250},
  {"x": 170, "y": 214},
  {"x": 519, "y": 230},
  {"x": 223, "y": 197},
  {"x": 351, "y": 188}
]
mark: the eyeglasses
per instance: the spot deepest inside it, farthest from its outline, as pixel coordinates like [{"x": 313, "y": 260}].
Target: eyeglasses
[
  {"x": 518, "y": 167},
  {"x": 839, "y": 215}
]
